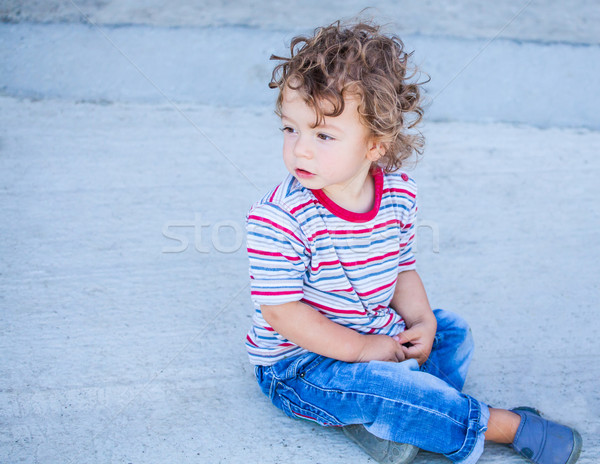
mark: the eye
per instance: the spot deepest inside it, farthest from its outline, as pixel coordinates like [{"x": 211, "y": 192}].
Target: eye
[
  {"x": 325, "y": 136},
  {"x": 287, "y": 130}
]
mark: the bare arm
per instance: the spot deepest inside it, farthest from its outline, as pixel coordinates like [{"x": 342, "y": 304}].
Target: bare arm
[
  {"x": 410, "y": 301},
  {"x": 308, "y": 328}
]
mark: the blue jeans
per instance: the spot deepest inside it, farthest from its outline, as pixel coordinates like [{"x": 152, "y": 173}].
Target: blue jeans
[{"x": 401, "y": 402}]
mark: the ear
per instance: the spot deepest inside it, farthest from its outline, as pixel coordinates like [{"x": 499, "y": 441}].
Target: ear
[{"x": 376, "y": 150}]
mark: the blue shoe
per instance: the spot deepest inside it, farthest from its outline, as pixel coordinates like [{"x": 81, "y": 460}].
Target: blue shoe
[
  {"x": 383, "y": 451},
  {"x": 545, "y": 442}
]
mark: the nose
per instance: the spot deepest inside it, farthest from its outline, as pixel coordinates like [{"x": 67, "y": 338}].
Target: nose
[{"x": 302, "y": 148}]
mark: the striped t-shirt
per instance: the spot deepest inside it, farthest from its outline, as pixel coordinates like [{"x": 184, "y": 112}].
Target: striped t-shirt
[{"x": 304, "y": 247}]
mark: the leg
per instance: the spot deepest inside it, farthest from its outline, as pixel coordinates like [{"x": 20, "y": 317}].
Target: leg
[
  {"x": 536, "y": 438},
  {"x": 394, "y": 401},
  {"x": 502, "y": 426},
  {"x": 452, "y": 349}
]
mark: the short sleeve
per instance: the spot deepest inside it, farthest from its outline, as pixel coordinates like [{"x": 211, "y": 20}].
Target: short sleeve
[
  {"x": 407, "y": 232},
  {"x": 278, "y": 255}
]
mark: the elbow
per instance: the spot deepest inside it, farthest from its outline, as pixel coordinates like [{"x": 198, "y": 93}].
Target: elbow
[
  {"x": 268, "y": 314},
  {"x": 275, "y": 315}
]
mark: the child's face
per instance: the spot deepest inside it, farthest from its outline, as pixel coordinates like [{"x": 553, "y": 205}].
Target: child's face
[{"x": 332, "y": 156}]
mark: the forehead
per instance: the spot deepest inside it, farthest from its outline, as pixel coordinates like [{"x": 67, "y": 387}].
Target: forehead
[{"x": 294, "y": 104}]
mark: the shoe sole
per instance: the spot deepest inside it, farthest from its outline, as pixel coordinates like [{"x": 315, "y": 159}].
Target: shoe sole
[
  {"x": 356, "y": 432},
  {"x": 577, "y": 444}
]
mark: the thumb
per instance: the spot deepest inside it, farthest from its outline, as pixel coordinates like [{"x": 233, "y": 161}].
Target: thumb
[{"x": 405, "y": 337}]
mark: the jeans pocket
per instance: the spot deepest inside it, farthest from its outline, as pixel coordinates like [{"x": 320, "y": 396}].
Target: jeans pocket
[
  {"x": 302, "y": 364},
  {"x": 298, "y": 408}
]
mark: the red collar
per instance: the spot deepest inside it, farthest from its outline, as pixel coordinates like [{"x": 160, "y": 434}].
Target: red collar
[{"x": 351, "y": 216}]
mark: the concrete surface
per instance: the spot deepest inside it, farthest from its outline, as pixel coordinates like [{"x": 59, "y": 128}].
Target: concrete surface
[{"x": 123, "y": 277}]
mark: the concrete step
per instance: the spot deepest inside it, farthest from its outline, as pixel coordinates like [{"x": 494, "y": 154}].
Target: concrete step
[{"x": 537, "y": 83}]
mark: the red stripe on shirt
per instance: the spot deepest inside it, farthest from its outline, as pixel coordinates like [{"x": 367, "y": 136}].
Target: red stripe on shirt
[
  {"x": 333, "y": 310},
  {"x": 397, "y": 190},
  {"x": 279, "y": 292},
  {"x": 316, "y": 234},
  {"x": 299, "y": 207},
  {"x": 270, "y": 253},
  {"x": 367, "y": 230},
  {"x": 374, "y": 258},
  {"x": 378, "y": 289},
  {"x": 274, "y": 224},
  {"x": 274, "y": 192},
  {"x": 325, "y": 263}
]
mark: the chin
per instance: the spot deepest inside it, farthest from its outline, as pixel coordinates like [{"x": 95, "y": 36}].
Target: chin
[{"x": 312, "y": 184}]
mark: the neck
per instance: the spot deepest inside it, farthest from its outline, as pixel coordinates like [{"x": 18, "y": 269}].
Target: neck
[{"x": 356, "y": 195}]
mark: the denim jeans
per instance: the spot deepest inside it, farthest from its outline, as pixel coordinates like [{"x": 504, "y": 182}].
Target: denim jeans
[{"x": 401, "y": 402}]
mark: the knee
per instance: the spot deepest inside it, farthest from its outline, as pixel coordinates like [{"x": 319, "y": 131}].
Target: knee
[
  {"x": 454, "y": 326},
  {"x": 447, "y": 318}
]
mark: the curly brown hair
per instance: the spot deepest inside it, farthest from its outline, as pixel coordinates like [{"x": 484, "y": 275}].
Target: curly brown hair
[{"x": 340, "y": 61}]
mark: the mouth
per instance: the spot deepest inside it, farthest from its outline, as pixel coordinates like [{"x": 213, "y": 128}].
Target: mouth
[{"x": 303, "y": 174}]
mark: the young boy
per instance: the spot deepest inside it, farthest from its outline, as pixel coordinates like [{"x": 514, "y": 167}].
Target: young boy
[{"x": 343, "y": 333}]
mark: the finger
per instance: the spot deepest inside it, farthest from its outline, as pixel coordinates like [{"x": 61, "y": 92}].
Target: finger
[
  {"x": 416, "y": 352},
  {"x": 407, "y": 336},
  {"x": 399, "y": 353},
  {"x": 408, "y": 354}
]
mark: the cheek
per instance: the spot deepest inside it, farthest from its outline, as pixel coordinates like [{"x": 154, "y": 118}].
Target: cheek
[
  {"x": 288, "y": 146},
  {"x": 333, "y": 160},
  {"x": 287, "y": 154}
]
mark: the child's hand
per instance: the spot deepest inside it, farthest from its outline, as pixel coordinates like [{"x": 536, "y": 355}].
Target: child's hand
[
  {"x": 380, "y": 348},
  {"x": 417, "y": 341}
]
